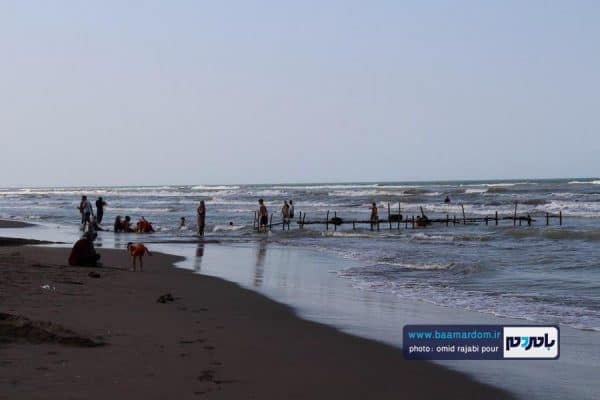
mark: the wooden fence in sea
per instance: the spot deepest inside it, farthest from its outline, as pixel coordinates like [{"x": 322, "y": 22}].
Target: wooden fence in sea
[{"x": 397, "y": 221}]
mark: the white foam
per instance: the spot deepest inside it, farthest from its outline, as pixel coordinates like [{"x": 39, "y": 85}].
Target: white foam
[{"x": 592, "y": 182}]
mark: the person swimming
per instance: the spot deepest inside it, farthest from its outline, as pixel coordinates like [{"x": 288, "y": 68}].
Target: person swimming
[
  {"x": 144, "y": 226},
  {"x": 126, "y": 224},
  {"x": 118, "y": 227}
]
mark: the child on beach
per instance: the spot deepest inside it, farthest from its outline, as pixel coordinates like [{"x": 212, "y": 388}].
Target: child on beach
[{"x": 137, "y": 251}]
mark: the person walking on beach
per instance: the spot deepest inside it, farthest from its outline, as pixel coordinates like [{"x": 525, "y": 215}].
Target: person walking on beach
[
  {"x": 285, "y": 212},
  {"x": 374, "y": 216},
  {"x": 263, "y": 216},
  {"x": 291, "y": 209},
  {"x": 201, "y": 217},
  {"x": 87, "y": 211},
  {"x": 100, "y": 204}
]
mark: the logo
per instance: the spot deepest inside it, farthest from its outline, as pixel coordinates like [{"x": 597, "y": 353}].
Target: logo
[{"x": 531, "y": 342}]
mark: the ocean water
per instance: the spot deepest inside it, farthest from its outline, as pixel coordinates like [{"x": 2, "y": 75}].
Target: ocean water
[{"x": 545, "y": 274}]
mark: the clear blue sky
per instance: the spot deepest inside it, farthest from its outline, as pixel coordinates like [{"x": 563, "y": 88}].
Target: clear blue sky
[{"x": 176, "y": 92}]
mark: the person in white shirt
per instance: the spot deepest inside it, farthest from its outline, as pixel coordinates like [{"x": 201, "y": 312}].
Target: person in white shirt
[{"x": 87, "y": 211}]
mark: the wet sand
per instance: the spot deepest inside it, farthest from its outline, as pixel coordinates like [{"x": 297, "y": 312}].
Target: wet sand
[
  {"x": 70, "y": 335},
  {"x": 13, "y": 224}
]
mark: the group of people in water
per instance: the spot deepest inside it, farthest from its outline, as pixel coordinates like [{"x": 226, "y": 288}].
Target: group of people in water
[
  {"x": 91, "y": 221},
  {"x": 287, "y": 214}
]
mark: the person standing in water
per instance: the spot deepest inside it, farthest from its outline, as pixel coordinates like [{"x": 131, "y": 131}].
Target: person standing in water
[
  {"x": 263, "y": 216},
  {"x": 201, "y": 217},
  {"x": 285, "y": 212},
  {"x": 87, "y": 211},
  {"x": 291, "y": 209},
  {"x": 100, "y": 204},
  {"x": 374, "y": 215}
]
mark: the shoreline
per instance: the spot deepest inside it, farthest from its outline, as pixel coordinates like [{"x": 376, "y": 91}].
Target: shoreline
[{"x": 192, "y": 346}]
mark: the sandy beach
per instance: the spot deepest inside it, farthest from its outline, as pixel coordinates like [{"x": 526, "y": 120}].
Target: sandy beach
[{"x": 66, "y": 334}]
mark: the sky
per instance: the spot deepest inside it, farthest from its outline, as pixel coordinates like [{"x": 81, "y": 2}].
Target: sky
[{"x": 225, "y": 92}]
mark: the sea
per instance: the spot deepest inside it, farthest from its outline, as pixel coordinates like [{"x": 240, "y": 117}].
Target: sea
[{"x": 539, "y": 273}]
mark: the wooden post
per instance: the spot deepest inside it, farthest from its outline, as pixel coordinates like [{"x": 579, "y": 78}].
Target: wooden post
[
  {"x": 496, "y": 217},
  {"x": 560, "y": 217},
  {"x": 406, "y": 222},
  {"x": 327, "y": 221},
  {"x": 413, "y": 222},
  {"x": 547, "y": 219},
  {"x": 486, "y": 220},
  {"x": 515, "y": 216},
  {"x": 528, "y": 219},
  {"x": 454, "y": 220},
  {"x": 447, "y": 219},
  {"x": 271, "y": 222},
  {"x": 464, "y": 216},
  {"x": 389, "y": 216},
  {"x": 399, "y": 214},
  {"x": 303, "y": 219},
  {"x": 254, "y": 222},
  {"x": 353, "y": 225},
  {"x": 377, "y": 224}
]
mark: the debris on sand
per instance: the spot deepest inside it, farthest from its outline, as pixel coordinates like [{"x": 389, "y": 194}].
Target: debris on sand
[{"x": 165, "y": 298}]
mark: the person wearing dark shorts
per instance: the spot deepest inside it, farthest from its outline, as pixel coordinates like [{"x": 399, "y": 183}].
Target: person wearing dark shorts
[
  {"x": 201, "y": 217},
  {"x": 263, "y": 216},
  {"x": 100, "y": 204}
]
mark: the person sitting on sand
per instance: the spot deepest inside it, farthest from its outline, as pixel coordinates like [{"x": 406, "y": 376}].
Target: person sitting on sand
[
  {"x": 83, "y": 252},
  {"x": 118, "y": 227},
  {"x": 263, "y": 216},
  {"x": 137, "y": 251}
]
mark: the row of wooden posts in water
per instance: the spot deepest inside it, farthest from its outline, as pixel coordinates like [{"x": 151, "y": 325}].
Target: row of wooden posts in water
[{"x": 397, "y": 220}]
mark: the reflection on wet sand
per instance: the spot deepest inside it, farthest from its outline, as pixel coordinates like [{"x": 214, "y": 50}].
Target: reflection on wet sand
[
  {"x": 261, "y": 253},
  {"x": 199, "y": 255}
]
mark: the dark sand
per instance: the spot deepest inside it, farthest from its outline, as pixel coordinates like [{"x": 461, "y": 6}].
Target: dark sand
[
  {"x": 13, "y": 224},
  {"x": 109, "y": 338}
]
